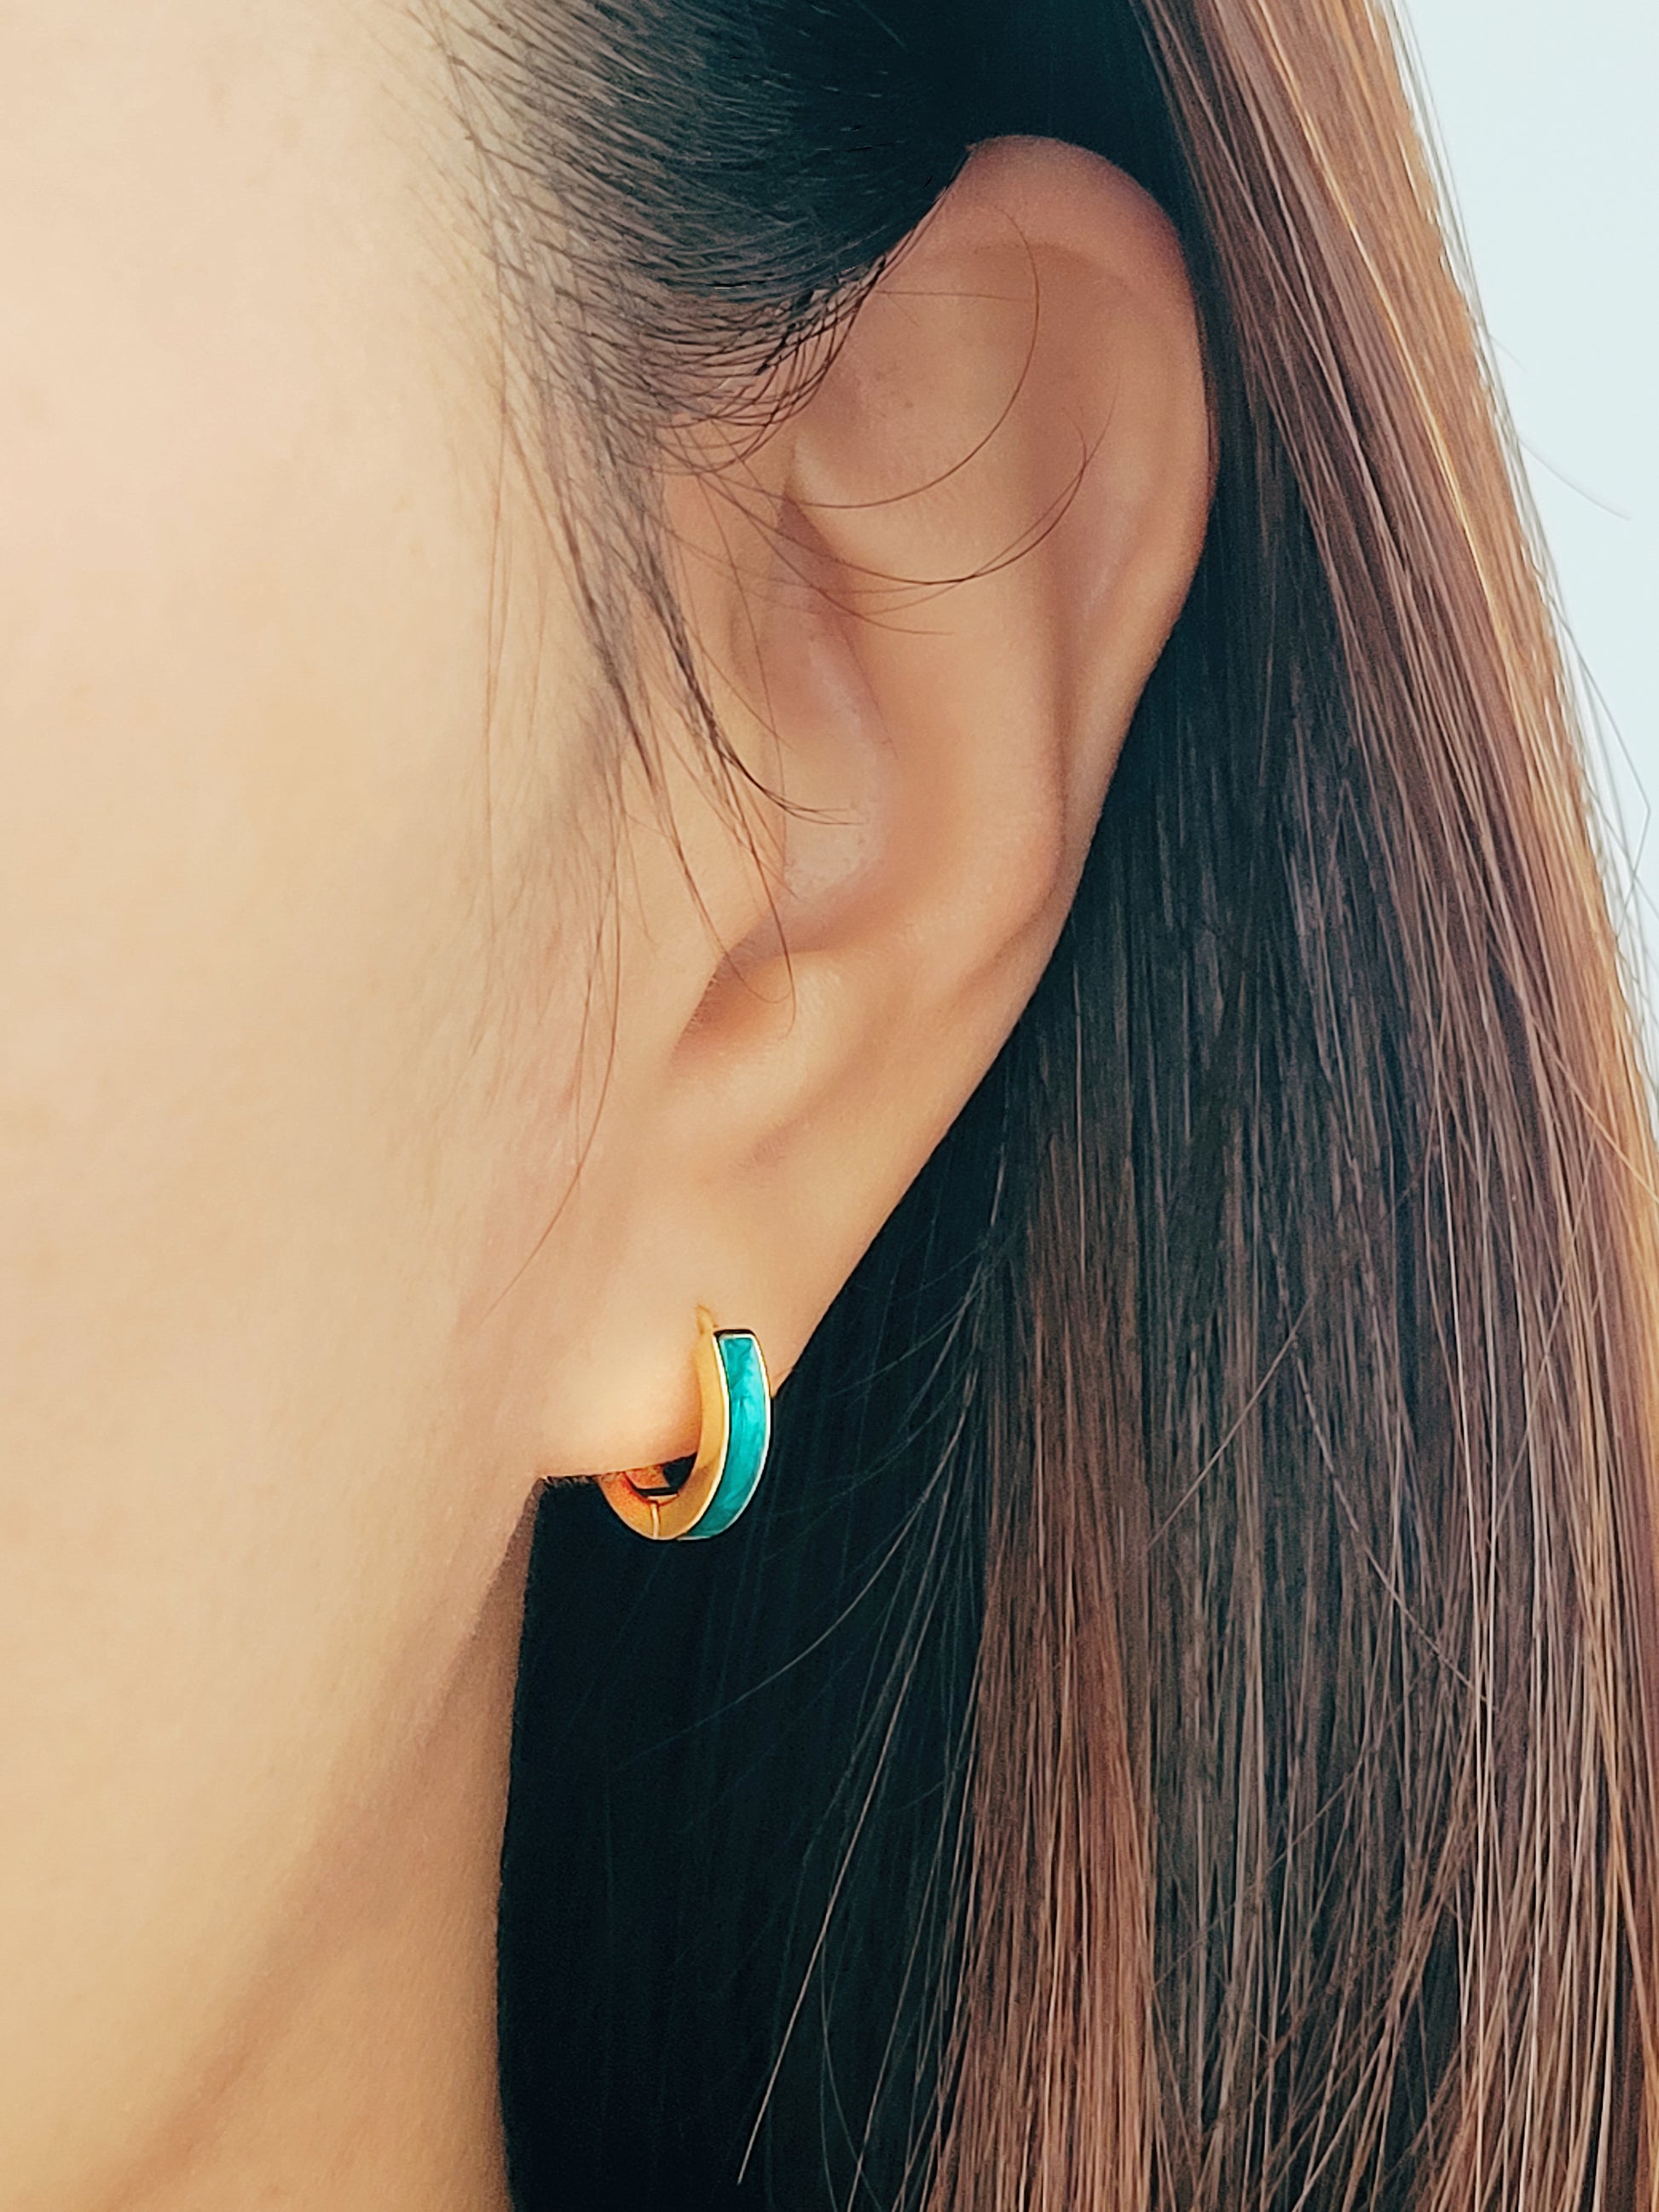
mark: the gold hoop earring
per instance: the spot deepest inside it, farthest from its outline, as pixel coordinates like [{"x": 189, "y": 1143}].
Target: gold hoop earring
[{"x": 736, "y": 1431}]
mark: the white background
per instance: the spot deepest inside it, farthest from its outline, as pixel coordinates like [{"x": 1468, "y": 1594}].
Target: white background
[{"x": 1546, "y": 114}]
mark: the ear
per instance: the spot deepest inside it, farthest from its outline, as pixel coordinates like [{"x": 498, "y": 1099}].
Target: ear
[{"x": 925, "y": 602}]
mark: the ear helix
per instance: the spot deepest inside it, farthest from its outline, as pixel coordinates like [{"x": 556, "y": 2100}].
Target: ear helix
[{"x": 737, "y": 1430}]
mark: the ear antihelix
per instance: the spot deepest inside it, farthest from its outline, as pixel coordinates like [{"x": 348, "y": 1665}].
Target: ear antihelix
[{"x": 737, "y": 1433}]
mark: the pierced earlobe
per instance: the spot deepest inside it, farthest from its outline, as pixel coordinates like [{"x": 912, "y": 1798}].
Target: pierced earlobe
[{"x": 737, "y": 1430}]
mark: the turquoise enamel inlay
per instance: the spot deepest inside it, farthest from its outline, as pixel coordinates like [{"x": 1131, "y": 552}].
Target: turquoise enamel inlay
[{"x": 748, "y": 1435}]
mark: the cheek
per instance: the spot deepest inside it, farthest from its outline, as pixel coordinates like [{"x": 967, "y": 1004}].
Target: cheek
[
  {"x": 239, "y": 721},
  {"x": 237, "y": 940},
  {"x": 249, "y": 1116}
]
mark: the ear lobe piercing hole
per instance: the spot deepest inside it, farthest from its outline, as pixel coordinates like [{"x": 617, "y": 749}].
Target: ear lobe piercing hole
[{"x": 676, "y": 1473}]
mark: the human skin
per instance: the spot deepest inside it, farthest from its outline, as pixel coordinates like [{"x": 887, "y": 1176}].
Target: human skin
[{"x": 304, "y": 857}]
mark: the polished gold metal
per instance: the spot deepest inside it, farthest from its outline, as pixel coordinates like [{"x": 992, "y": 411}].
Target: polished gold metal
[{"x": 639, "y": 1495}]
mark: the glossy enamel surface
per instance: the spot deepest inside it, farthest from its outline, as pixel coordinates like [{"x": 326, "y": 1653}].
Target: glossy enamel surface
[{"x": 749, "y": 1431}]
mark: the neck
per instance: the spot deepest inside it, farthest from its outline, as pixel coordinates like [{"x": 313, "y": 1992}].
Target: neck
[{"x": 371, "y": 2081}]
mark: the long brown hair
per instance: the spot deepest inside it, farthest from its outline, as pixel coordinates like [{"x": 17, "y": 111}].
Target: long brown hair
[{"x": 1178, "y": 1732}]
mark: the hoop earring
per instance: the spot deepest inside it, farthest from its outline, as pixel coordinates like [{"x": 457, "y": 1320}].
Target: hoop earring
[{"x": 737, "y": 1429}]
